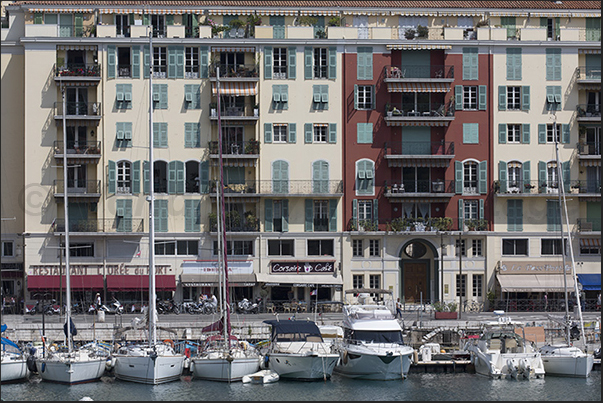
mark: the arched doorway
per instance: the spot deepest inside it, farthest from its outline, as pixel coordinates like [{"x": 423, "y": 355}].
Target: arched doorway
[{"x": 419, "y": 272}]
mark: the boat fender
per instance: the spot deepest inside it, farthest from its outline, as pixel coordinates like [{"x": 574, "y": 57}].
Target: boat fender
[
  {"x": 169, "y": 342},
  {"x": 53, "y": 347},
  {"x": 345, "y": 358},
  {"x": 243, "y": 345},
  {"x": 31, "y": 364}
]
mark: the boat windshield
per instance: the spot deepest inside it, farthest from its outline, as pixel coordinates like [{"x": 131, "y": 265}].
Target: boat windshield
[{"x": 394, "y": 336}]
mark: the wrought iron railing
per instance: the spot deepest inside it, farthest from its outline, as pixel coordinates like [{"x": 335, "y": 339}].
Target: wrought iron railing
[
  {"x": 78, "y": 70},
  {"x": 111, "y": 225},
  {"x": 419, "y": 148},
  {"x": 82, "y": 108},
  {"x": 419, "y": 71},
  {"x": 234, "y": 71},
  {"x": 419, "y": 110},
  {"x": 78, "y": 147},
  {"x": 77, "y": 187},
  {"x": 419, "y": 186},
  {"x": 251, "y": 147}
]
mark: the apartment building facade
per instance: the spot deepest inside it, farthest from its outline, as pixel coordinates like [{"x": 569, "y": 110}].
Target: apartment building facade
[{"x": 385, "y": 147}]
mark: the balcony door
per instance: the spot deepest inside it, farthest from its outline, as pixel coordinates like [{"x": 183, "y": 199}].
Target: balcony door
[
  {"x": 76, "y": 139},
  {"x": 415, "y": 179},
  {"x": 77, "y": 101},
  {"x": 76, "y": 179},
  {"x": 78, "y": 216},
  {"x": 76, "y": 58}
]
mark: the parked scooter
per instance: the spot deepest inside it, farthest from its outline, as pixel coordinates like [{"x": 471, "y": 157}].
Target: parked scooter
[
  {"x": 116, "y": 308},
  {"x": 246, "y": 306},
  {"x": 32, "y": 309},
  {"x": 51, "y": 308}
]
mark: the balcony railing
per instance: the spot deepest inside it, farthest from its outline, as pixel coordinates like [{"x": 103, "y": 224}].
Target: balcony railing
[
  {"x": 431, "y": 110},
  {"x": 547, "y": 187},
  {"x": 80, "y": 109},
  {"x": 420, "y": 224},
  {"x": 589, "y": 148},
  {"x": 588, "y": 73},
  {"x": 235, "y": 223},
  {"x": 589, "y": 35},
  {"x": 589, "y": 224},
  {"x": 79, "y": 147},
  {"x": 234, "y": 71},
  {"x": 423, "y": 148},
  {"x": 110, "y": 225},
  {"x": 77, "y": 187},
  {"x": 251, "y": 147},
  {"x": 284, "y": 187},
  {"x": 418, "y": 71},
  {"x": 78, "y": 31},
  {"x": 415, "y": 187},
  {"x": 92, "y": 70},
  {"x": 586, "y": 111}
]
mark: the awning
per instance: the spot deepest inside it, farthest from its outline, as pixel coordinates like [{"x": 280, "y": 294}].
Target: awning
[
  {"x": 326, "y": 13},
  {"x": 415, "y": 121},
  {"x": 590, "y": 282},
  {"x": 61, "y": 10},
  {"x": 415, "y": 13},
  {"x": 461, "y": 13},
  {"x": 552, "y": 15},
  {"x": 350, "y": 12},
  {"x": 590, "y": 242},
  {"x": 233, "y": 49},
  {"x": 590, "y": 163},
  {"x": 209, "y": 280},
  {"x": 419, "y": 162},
  {"x": 534, "y": 282},
  {"x": 418, "y": 87},
  {"x": 589, "y": 51},
  {"x": 235, "y": 88},
  {"x": 231, "y": 12},
  {"x": 508, "y": 14},
  {"x": 78, "y": 282},
  {"x": 136, "y": 283},
  {"x": 300, "y": 280},
  {"x": 77, "y": 47},
  {"x": 278, "y": 12},
  {"x": 408, "y": 46}
]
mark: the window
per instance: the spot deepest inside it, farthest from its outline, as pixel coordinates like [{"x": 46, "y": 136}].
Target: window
[
  {"x": 364, "y": 63},
  {"x": 123, "y": 135},
  {"x": 375, "y": 281},
  {"x": 123, "y": 215},
  {"x": 470, "y": 97},
  {"x": 192, "y": 135},
  {"x": 160, "y": 133},
  {"x": 192, "y": 215},
  {"x": 551, "y": 247},
  {"x": 280, "y": 97},
  {"x": 553, "y": 217},
  {"x": 470, "y": 133},
  {"x": 461, "y": 246},
  {"x": 124, "y": 62},
  {"x": 280, "y": 177},
  {"x": 192, "y": 96},
  {"x": 280, "y": 132},
  {"x": 470, "y": 64},
  {"x": 553, "y": 64},
  {"x": 236, "y": 248},
  {"x": 160, "y": 62},
  {"x": 320, "y": 98},
  {"x": 160, "y": 96},
  {"x": 278, "y": 217},
  {"x": 158, "y": 23},
  {"x": 514, "y": 176},
  {"x": 320, "y": 134},
  {"x": 160, "y": 172},
  {"x": 470, "y": 170},
  {"x": 320, "y": 247},
  {"x": 514, "y": 98},
  {"x": 76, "y": 249},
  {"x": 124, "y": 177},
  {"x": 364, "y": 133},
  {"x": 123, "y": 96},
  {"x": 416, "y": 210},
  {"x": 515, "y": 247},
  {"x": 461, "y": 285},
  {"x": 321, "y": 215},
  {"x": 357, "y": 248},
  {"x": 590, "y": 246},
  {"x": 471, "y": 209},
  {"x": 7, "y": 248},
  {"x": 181, "y": 247},
  {"x": 278, "y": 247},
  {"x": 279, "y": 63},
  {"x": 513, "y": 63},
  {"x": 320, "y": 62},
  {"x": 191, "y": 62},
  {"x": 365, "y": 177},
  {"x": 365, "y": 210},
  {"x": 513, "y": 133},
  {"x": 478, "y": 281},
  {"x": 358, "y": 281},
  {"x": 514, "y": 215},
  {"x": 374, "y": 248},
  {"x": 553, "y": 133},
  {"x": 476, "y": 247},
  {"x": 553, "y": 97},
  {"x": 365, "y": 98},
  {"x": 320, "y": 177}
]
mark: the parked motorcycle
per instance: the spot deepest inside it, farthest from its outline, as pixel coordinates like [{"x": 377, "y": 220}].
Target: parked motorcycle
[
  {"x": 246, "y": 306},
  {"x": 51, "y": 308},
  {"x": 116, "y": 308},
  {"x": 32, "y": 309}
]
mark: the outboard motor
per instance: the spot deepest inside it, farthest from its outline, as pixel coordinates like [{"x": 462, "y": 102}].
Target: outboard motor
[
  {"x": 31, "y": 361},
  {"x": 574, "y": 332}
]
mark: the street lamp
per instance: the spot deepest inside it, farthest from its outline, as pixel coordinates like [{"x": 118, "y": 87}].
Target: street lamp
[{"x": 461, "y": 288}]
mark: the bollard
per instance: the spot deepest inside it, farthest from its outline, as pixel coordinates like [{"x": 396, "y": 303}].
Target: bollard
[{"x": 101, "y": 316}]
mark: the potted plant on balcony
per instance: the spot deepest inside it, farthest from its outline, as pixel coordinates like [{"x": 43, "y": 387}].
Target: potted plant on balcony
[
  {"x": 251, "y": 221},
  {"x": 256, "y": 110},
  {"x": 334, "y": 21},
  {"x": 576, "y": 187},
  {"x": 367, "y": 225},
  {"x": 252, "y": 147},
  {"x": 422, "y": 31},
  {"x": 410, "y": 33},
  {"x": 444, "y": 310}
]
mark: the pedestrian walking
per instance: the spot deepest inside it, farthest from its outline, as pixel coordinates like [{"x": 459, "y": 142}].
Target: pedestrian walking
[
  {"x": 97, "y": 301},
  {"x": 599, "y": 302},
  {"x": 546, "y": 302},
  {"x": 398, "y": 309}
]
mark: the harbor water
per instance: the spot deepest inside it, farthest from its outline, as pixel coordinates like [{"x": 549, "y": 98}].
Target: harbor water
[{"x": 417, "y": 387}]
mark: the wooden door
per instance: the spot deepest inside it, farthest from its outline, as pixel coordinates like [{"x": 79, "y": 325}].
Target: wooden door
[{"x": 415, "y": 281}]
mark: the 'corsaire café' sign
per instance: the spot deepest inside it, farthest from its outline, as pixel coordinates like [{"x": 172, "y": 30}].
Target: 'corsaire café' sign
[
  {"x": 300, "y": 267},
  {"x": 533, "y": 268}
]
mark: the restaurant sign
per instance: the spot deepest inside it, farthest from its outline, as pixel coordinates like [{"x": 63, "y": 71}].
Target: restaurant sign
[
  {"x": 301, "y": 267},
  {"x": 542, "y": 267},
  {"x": 110, "y": 270}
]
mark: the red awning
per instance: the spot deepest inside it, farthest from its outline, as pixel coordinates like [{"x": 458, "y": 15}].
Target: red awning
[
  {"x": 78, "y": 282},
  {"x": 135, "y": 283}
]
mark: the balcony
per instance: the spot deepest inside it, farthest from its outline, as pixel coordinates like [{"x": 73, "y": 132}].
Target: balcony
[
  {"x": 425, "y": 225},
  {"x": 437, "y": 189},
  {"x": 239, "y": 72},
  {"x": 235, "y": 223},
  {"x": 241, "y": 114},
  {"x": 78, "y": 73},
  {"x": 589, "y": 224},
  {"x": 85, "y": 111},
  {"x": 582, "y": 188},
  {"x": 588, "y": 113},
  {"x": 285, "y": 188},
  {"x": 419, "y": 114},
  {"x": 121, "y": 226},
  {"x": 589, "y": 150},
  {"x": 419, "y": 73},
  {"x": 427, "y": 153},
  {"x": 77, "y": 189},
  {"x": 249, "y": 150},
  {"x": 86, "y": 152},
  {"x": 589, "y": 77}
]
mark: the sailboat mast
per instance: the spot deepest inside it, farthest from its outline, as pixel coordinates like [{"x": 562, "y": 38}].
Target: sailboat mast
[
  {"x": 222, "y": 217},
  {"x": 65, "y": 203},
  {"x": 152, "y": 307}
]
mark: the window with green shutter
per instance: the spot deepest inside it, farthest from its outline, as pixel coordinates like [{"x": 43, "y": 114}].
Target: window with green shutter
[
  {"x": 192, "y": 215},
  {"x": 38, "y": 18},
  {"x": 204, "y": 61},
  {"x": 513, "y": 63},
  {"x": 204, "y": 177},
  {"x": 482, "y": 97},
  {"x": 123, "y": 134},
  {"x": 278, "y": 26},
  {"x": 553, "y": 64},
  {"x": 320, "y": 177},
  {"x": 553, "y": 216},
  {"x": 510, "y": 24},
  {"x": 176, "y": 61},
  {"x": 160, "y": 139},
  {"x": 292, "y": 133},
  {"x": 553, "y": 97},
  {"x": 161, "y": 216},
  {"x": 471, "y": 133},
  {"x": 365, "y": 172},
  {"x": 280, "y": 97},
  {"x": 470, "y": 64},
  {"x": 123, "y": 215},
  {"x": 514, "y": 215},
  {"x": 364, "y": 63},
  {"x": 192, "y": 96},
  {"x": 192, "y": 135},
  {"x": 320, "y": 97},
  {"x": 280, "y": 177},
  {"x": 136, "y": 177},
  {"x": 332, "y": 73},
  {"x": 160, "y": 96},
  {"x": 176, "y": 177},
  {"x": 364, "y": 133},
  {"x": 123, "y": 96},
  {"x": 593, "y": 29}
]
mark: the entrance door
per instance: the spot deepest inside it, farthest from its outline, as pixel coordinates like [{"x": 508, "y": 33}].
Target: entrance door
[{"x": 415, "y": 281}]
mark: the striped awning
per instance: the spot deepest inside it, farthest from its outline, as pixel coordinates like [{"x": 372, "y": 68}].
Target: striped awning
[
  {"x": 326, "y": 13},
  {"x": 77, "y": 47},
  {"x": 508, "y": 13},
  {"x": 404, "y": 46},
  {"x": 278, "y": 12},
  {"x": 235, "y": 162},
  {"x": 418, "y": 87},
  {"x": 79, "y": 122},
  {"x": 415, "y": 199},
  {"x": 590, "y": 242},
  {"x": 418, "y": 162},
  {"x": 233, "y": 49},
  {"x": 60, "y": 10},
  {"x": 356, "y": 12},
  {"x": 461, "y": 13},
  {"x": 590, "y": 163},
  {"x": 235, "y": 88},
  {"x": 589, "y": 15},
  {"x": 76, "y": 83},
  {"x": 417, "y": 122},
  {"x": 231, "y": 12},
  {"x": 551, "y": 14},
  {"x": 590, "y": 86},
  {"x": 148, "y": 11},
  {"x": 589, "y": 51},
  {"x": 415, "y": 13}
]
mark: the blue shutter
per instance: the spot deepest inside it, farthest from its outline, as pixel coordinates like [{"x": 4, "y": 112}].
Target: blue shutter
[
  {"x": 461, "y": 214},
  {"x": 502, "y": 98},
  {"x": 525, "y": 167},
  {"x": 483, "y": 177},
  {"x": 502, "y": 176},
  {"x": 565, "y": 172},
  {"x": 292, "y": 58},
  {"x": 136, "y": 177},
  {"x": 172, "y": 177},
  {"x": 163, "y": 93},
  {"x": 204, "y": 177},
  {"x": 146, "y": 60},
  {"x": 112, "y": 178},
  {"x": 171, "y": 72},
  {"x": 180, "y": 62},
  {"x": 285, "y": 216},
  {"x": 525, "y": 98},
  {"x": 502, "y": 133},
  {"x": 483, "y": 97},
  {"x": 180, "y": 178},
  {"x": 471, "y": 133},
  {"x": 525, "y": 133},
  {"x": 309, "y": 213},
  {"x": 145, "y": 176},
  {"x": 541, "y": 133},
  {"x": 292, "y": 133},
  {"x": 542, "y": 176},
  {"x": 111, "y": 56},
  {"x": 511, "y": 214},
  {"x": 356, "y": 96},
  {"x": 333, "y": 215},
  {"x": 267, "y": 62},
  {"x": 458, "y": 97},
  {"x": 135, "y": 61},
  {"x": 360, "y": 64},
  {"x": 267, "y": 133},
  {"x": 458, "y": 177},
  {"x": 268, "y": 215},
  {"x": 332, "y": 133},
  {"x": 204, "y": 62},
  {"x": 285, "y": 96},
  {"x": 565, "y": 133},
  {"x": 192, "y": 215},
  {"x": 553, "y": 217},
  {"x": 332, "y": 73},
  {"x": 308, "y": 132},
  {"x": 481, "y": 209},
  {"x": 308, "y": 63},
  {"x": 470, "y": 64}
]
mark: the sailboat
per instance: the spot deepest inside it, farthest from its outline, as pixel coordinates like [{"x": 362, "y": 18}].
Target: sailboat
[
  {"x": 14, "y": 361},
  {"x": 565, "y": 359},
  {"x": 223, "y": 358},
  {"x": 70, "y": 365},
  {"x": 153, "y": 362}
]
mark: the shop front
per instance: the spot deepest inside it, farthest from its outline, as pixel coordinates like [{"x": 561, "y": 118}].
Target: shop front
[
  {"x": 48, "y": 287},
  {"x": 202, "y": 277},
  {"x": 131, "y": 286}
]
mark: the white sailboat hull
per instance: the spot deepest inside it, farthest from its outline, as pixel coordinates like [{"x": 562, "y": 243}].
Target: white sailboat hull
[
  {"x": 14, "y": 367},
  {"x": 566, "y": 361},
  {"x": 70, "y": 369},
  {"x": 148, "y": 366},
  {"x": 381, "y": 365},
  {"x": 303, "y": 367},
  {"x": 220, "y": 367}
]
